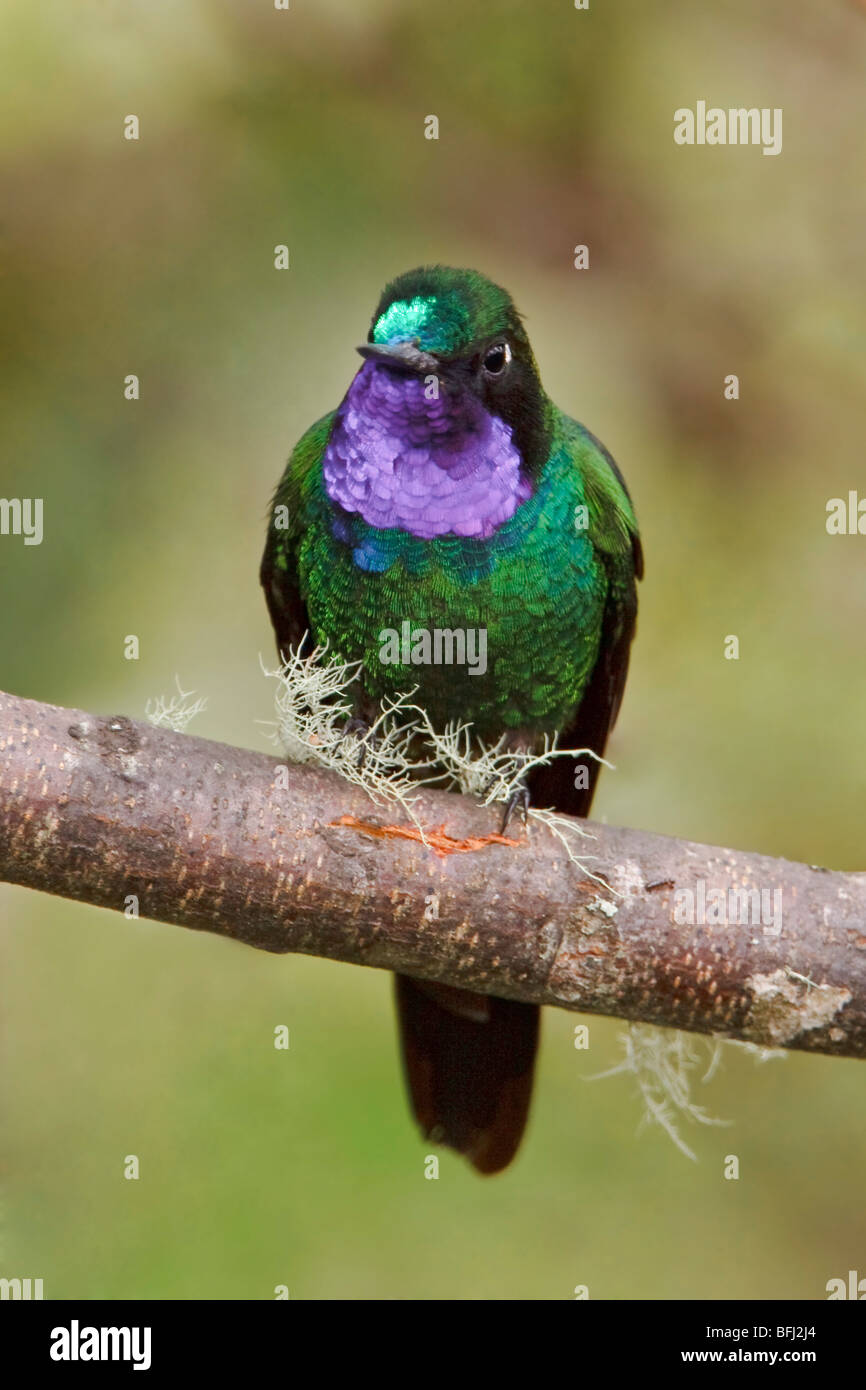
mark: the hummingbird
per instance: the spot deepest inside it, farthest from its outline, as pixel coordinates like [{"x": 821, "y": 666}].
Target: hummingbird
[{"x": 448, "y": 493}]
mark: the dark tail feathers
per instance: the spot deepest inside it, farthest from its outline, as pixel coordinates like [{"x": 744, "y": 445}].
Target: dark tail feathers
[{"x": 469, "y": 1062}]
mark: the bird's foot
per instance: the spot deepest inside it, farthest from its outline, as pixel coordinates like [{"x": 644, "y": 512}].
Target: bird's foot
[
  {"x": 359, "y": 729},
  {"x": 519, "y": 797}
]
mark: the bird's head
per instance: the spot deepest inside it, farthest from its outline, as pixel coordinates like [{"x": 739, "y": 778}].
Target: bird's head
[{"x": 457, "y": 326}]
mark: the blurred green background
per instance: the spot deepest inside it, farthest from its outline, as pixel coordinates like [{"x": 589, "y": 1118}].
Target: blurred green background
[{"x": 260, "y": 127}]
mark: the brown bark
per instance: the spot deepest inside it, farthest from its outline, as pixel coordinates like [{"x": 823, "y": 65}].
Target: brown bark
[{"x": 99, "y": 809}]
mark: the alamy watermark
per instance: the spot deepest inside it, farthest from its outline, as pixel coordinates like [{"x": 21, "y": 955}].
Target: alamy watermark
[
  {"x": 729, "y": 907},
  {"x": 77, "y": 1343},
  {"x": 854, "y": 1287},
  {"x": 443, "y": 646},
  {"x": 714, "y": 125},
  {"x": 21, "y": 1289},
  {"x": 846, "y": 516},
  {"x": 22, "y": 516}
]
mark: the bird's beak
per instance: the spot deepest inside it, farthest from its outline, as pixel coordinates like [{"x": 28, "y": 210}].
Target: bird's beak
[{"x": 408, "y": 356}]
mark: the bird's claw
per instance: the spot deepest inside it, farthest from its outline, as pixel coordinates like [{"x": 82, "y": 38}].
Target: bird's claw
[
  {"x": 519, "y": 797},
  {"x": 361, "y": 729}
]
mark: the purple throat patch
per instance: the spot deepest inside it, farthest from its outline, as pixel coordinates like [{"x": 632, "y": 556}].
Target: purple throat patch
[{"x": 430, "y": 467}]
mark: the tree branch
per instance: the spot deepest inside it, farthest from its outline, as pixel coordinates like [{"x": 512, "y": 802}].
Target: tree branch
[{"x": 203, "y": 836}]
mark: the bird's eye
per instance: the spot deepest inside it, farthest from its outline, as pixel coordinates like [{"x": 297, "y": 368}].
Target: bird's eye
[{"x": 496, "y": 359}]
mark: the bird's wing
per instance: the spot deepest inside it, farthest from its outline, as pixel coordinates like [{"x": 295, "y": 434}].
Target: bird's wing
[
  {"x": 279, "y": 570},
  {"x": 614, "y": 534}
]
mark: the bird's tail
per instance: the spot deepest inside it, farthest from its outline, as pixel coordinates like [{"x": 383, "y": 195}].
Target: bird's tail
[{"x": 469, "y": 1062}]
